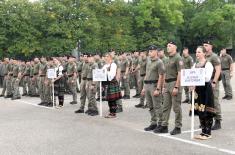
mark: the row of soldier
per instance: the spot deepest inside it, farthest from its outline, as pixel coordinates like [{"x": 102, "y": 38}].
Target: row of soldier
[{"x": 155, "y": 77}]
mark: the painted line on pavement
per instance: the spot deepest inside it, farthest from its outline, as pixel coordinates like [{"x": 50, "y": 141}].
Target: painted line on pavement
[
  {"x": 21, "y": 101},
  {"x": 190, "y": 141}
]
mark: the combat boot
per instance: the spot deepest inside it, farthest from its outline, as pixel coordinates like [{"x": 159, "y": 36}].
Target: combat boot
[
  {"x": 150, "y": 127},
  {"x": 176, "y": 131}
]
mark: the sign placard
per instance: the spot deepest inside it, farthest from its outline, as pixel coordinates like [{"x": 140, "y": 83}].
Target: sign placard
[
  {"x": 99, "y": 75},
  {"x": 51, "y": 73},
  {"x": 193, "y": 77}
]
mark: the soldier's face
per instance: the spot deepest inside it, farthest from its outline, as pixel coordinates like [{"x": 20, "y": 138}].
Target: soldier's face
[
  {"x": 185, "y": 52},
  {"x": 208, "y": 47},
  {"x": 223, "y": 51},
  {"x": 171, "y": 48}
]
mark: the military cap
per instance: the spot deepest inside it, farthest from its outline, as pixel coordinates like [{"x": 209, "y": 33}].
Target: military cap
[
  {"x": 172, "y": 42},
  {"x": 152, "y": 47},
  {"x": 207, "y": 42}
]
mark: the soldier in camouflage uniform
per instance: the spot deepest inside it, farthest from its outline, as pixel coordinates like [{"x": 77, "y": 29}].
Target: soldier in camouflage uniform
[
  {"x": 16, "y": 80},
  {"x": 42, "y": 77},
  {"x": 124, "y": 65},
  {"x": 215, "y": 60},
  {"x": 35, "y": 75},
  {"x": 91, "y": 87},
  {"x": 227, "y": 73},
  {"x": 136, "y": 74},
  {"x": 9, "y": 79},
  {"x": 188, "y": 63},
  {"x": 172, "y": 91},
  {"x": 26, "y": 79},
  {"x": 83, "y": 94},
  {"x": 5, "y": 72}
]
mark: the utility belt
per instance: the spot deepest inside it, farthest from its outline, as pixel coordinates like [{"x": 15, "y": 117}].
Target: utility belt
[
  {"x": 31, "y": 76},
  {"x": 123, "y": 71},
  {"x": 84, "y": 78},
  {"x": 15, "y": 76},
  {"x": 11, "y": 74},
  {"x": 89, "y": 79},
  {"x": 70, "y": 75},
  {"x": 150, "y": 81},
  {"x": 35, "y": 74},
  {"x": 170, "y": 80},
  {"x": 26, "y": 75},
  {"x": 42, "y": 75},
  {"x": 225, "y": 69},
  {"x": 142, "y": 75}
]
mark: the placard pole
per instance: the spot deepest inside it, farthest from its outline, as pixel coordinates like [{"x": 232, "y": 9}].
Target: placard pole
[
  {"x": 101, "y": 99},
  {"x": 53, "y": 93},
  {"x": 192, "y": 116}
]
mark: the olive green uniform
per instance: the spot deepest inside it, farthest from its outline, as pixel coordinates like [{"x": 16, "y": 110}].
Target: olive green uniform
[
  {"x": 9, "y": 80},
  {"x": 83, "y": 94},
  {"x": 32, "y": 84},
  {"x": 42, "y": 78},
  {"x": 136, "y": 74},
  {"x": 173, "y": 67},
  {"x": 124, "y": 79},
  {"x": 5, "y": 71},
  {"x": 215, "y": 60},
  {"x": 188, "y": 63},
  {"x": 15, "y": 82},
  {"x": 36, "y": 77},
  {"x": 155, "y": 67},
  {"x": 143, "y": 65},
  {"x": 226, "y": 61},
  {"x": 72, "y": 80},
  {"x": 91, "y": 92},
  {"x": 26, "y": 80}
]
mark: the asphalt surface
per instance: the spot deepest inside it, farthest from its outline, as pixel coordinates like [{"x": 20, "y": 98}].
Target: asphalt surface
[{"x": 28, "y": 129}]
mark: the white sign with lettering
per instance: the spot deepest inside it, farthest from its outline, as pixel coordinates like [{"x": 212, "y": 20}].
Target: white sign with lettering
[
  {"x": 193, "y": 77},
  {"x": 51, "y": 73},
  {"x": 99, "y": 75}
]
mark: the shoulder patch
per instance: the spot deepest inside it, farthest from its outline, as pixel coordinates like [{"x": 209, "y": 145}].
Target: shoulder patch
[{"x": 181, "y": 63}]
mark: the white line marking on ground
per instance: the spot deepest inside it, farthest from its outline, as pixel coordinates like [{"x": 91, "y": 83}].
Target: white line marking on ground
[
  {"x": 21, "y": 101},
  {"x": 189, "y": 141}
]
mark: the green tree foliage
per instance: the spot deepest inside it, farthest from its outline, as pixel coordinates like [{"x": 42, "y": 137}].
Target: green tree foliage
[{"x": 54, "y": 27}]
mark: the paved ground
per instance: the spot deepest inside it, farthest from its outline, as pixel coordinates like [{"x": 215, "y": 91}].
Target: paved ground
[{"x": 28, "y": 129}]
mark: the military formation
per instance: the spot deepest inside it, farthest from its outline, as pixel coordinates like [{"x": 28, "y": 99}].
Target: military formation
[{"x": 154, "y": 74}]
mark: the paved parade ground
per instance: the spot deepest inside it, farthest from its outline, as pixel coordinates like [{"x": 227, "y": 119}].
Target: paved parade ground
[{"x": 28, "y": 129}]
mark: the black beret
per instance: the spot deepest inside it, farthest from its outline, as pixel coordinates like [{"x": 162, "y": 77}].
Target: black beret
[
  {"x": 207, "y": 42},
  {"x": 152, "y": 47},
  {"x": 172, "y": 42}
]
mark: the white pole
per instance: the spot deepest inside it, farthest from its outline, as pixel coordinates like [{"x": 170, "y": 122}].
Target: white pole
[
  {"x": 192, "y": 116},
  {"x": 101, "y": 99},
  {"x": 53, "y": 93}
]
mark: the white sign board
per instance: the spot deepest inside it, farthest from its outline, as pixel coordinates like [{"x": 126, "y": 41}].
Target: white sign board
[
  {"x": 99, "y": 75},
  {"x": 193, "y": 77},
  {"x": 51, "y": 73}
]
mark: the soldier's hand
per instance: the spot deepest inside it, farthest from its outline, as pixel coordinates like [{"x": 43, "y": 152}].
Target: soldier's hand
[
  {"x": 156, "y": 93},
  {"x": 124, "y": 77},
  {"x": 143, "y": 92},
  {"x": 175, "y": 91}
]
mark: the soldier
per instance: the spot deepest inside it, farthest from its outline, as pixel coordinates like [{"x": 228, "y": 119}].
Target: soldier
[
  {"x": 124, "y": 65},
  {"x": 1, "y": 73},
  {"x": 142, "y": 66},
  {"x": 35, "y": 76},
  {"x": 16, "y": 80},
  {"x": 32, "y": 82},
  {"x": 215, "y": 60},
  {"x": 172, "y": 91},
  {"x": 26, "y": 79},
  {"x": 152, "y": 88},
  {"x": 5, "y": 73},
  {"x": 72, "y": 78},
  {"x": 188, "y": 63},
  {"x": 162, "y": 56},
  {"x": 42, "y": 77},
  {"x": 135, "y": 72},
  {"x": 83, "y": 84},
  {"x": 9, "y": 80},
  {"x": 91, "y": 87},
  {"x": 227, "y": 73}
]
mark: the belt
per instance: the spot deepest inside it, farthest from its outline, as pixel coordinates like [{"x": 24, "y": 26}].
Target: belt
[
  {"x": 142, "y": 75},
  {"x": 15, "y": 76},
  {"x": 35, "y": 74},
  {"x": 89, "y": 79},
  {"x": 150, "y": 82},
  {"x": 26, "y": 75},
  {"x": 225, "y": 69},
  {"x": 70, "y": 75},
  {"x": 84, "y": 78},
  {"x": 170, "y": 80},
  {"x": 31, "y": 76},
  {"x": 42, "y": 75},
  {"x": 123, "y": 71}
]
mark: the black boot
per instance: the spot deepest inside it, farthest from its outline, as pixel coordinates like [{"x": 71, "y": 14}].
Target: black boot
[
  {"x": 79, "y": 111},
  {"x": 217, "y": 125},
  {"x": 119, "y": 109},
  {"x": 161, "y": 129},
  {"x": 176, "y": 131},
  {"x": 139, "y": 105},
  {"x": 186, "y": 101},
  {"x": 150, "y": 127}
]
